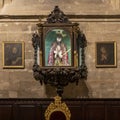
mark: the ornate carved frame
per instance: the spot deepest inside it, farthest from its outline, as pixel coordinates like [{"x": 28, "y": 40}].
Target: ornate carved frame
[
  {"x": 57, "y": 105},
  {"x": 59, "y": 76}
]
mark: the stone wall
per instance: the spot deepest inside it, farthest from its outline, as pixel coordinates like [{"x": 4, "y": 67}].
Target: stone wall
[
  {"x": 104, "y": 82},
  {"x": 19, "y": 82},
  {"x": 101, "y": 82}
]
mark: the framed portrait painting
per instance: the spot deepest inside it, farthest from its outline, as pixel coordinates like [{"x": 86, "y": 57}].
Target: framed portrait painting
[
  {"x": 106, "y": 54},
  {"x": 13, "y": 54},
  {"x": 57, "y": 46}
]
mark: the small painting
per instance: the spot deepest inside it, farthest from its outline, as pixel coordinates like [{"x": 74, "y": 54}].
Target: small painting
[
  {"x": 13, "y": 54},
  {"x": 106, "y": 54},
  {"x": 58, "y": 48}
]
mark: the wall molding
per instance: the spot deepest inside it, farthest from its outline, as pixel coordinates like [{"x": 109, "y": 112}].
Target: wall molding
[
  {"x": 117, "y": 16},
  {"x": 74, "y": 18}
]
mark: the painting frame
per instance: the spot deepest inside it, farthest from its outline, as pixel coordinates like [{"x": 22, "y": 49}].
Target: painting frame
[
  {"x": 106, "y": 56},
  {"x": 58, "y": 73},
  {"x": 13, "y": 54},
  {"x": 67, "y": 40}
]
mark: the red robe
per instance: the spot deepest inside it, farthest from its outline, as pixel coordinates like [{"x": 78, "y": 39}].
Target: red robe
[{"x": 51, "y": 57}]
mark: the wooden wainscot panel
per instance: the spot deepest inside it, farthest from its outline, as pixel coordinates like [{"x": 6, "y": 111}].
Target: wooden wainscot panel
[
  {"x": 5, "y": 112},
  {"x": 27, "y": 112},
  {"x": 113, "y": 110},
  {"x": 81, "y": 109},
  {"x": 76, "y": 112},
  {"x": 94, "y": 110}
]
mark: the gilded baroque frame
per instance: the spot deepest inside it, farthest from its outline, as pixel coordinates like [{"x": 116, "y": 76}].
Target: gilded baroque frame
[
  {"x": 57, "y": 106},
  {"x": 13, "y": 54}
]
